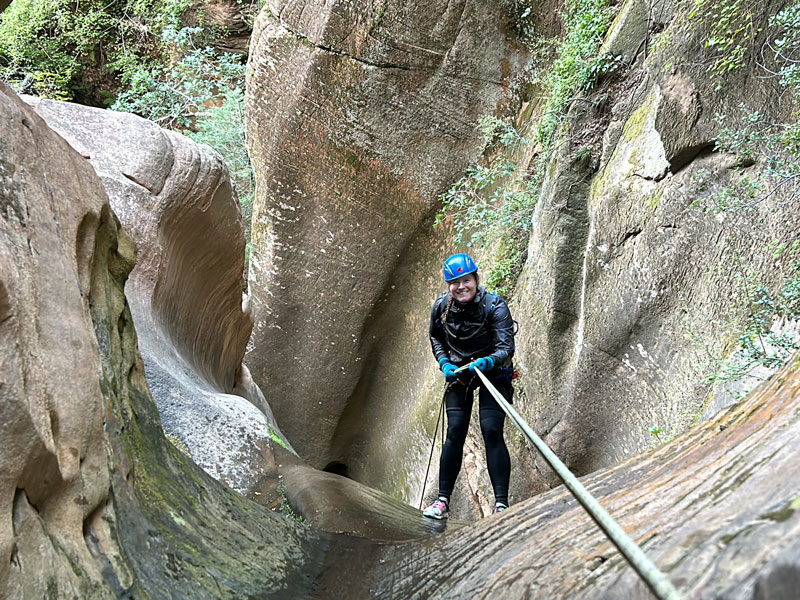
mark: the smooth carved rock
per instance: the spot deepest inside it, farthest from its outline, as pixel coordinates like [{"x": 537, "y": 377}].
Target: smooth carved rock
[
  {"x": 53, "y": 472},
  {"x": 359, "y": 114},
  {"x": 174, "y": 197},
  {"x": 94, "y": 502}
]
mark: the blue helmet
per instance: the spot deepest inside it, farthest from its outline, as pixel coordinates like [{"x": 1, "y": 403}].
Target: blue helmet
[{"x": 458, "y": 265}]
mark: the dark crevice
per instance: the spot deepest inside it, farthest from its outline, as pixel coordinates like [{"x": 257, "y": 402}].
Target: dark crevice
[
  {"x": 132, "y": 179},
  {"x": 629, "y": 236},
  {"x": 6, "y": 309},
  {"x": 658, "y": 177},
  {"x": 344, "y": 54},
  {"x": 54, "y": 425},
  {"x": 337, "y": 468},
  {"x": 571, "y": 315},
  {"x": 687, "y": 155},
  {"x": 361, "y": 60}
]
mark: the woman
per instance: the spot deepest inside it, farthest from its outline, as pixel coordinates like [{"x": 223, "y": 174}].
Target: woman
[{"x": 470, "y": 325}]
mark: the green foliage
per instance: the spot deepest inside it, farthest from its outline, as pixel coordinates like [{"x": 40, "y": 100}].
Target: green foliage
[
  {"x": 786, "y": 45},
  {"x": 172, "y": 95},
  {"x": 509, "y": 257},
  {"x": 286, "y": 508},
  {"x": 759, "y": 342},
  {"x": 731, "y": 33},
  {"x": 489, "y": 201},
  {"x": 156, "y": 68},
  {"x": 577, "y": 66},
  {"x": 276, "y": 438},
  {"x": 492, "y": 204},
  {"x": 222, "y": 127},
  {"x": 755, "y": 139},
  {"x": 46, "y": 46}
]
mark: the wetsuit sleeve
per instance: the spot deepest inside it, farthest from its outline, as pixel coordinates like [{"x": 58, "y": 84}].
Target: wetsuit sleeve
[
  {"x": 437, "y": 334},
  {"x": 501, "y": 326}
]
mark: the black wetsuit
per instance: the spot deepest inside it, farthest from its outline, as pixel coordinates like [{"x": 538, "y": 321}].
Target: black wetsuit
[{"x": 480, "y": 328}]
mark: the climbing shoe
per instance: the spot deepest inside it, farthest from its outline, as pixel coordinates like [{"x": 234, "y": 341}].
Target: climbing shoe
[
  {"x": 499, "y": 507},
  {"x": 437, "y": 510}
]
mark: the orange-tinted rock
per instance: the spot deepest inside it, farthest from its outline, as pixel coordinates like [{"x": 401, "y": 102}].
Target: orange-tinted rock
[
  {"x": 233, "y": 19},
  {"x": 94, "y": 502},
  {"x": 53, "y": 471}
]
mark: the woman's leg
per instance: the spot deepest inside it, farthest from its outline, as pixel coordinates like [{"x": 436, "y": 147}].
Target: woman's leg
[
  {"x": 492, "y": 419},
  {"x": 458, "y": 402}
]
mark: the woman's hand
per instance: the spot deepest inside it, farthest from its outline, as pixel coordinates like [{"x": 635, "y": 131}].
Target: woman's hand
[
  {"x": 449, "y": 370},
  {"x": 482, "y": 364}
]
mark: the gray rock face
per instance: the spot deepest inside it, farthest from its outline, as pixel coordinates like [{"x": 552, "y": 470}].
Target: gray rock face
[
  {"x": 358, "y": 115},
  {"x": 630, "y": 283},
  {"x": 174, "y": 198}
]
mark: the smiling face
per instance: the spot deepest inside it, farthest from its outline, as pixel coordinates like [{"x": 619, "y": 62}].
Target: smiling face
[{"x": 464, "y": 288}]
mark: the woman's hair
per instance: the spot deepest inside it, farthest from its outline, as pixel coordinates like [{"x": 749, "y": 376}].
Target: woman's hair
[{"x": 446, "y": 310}]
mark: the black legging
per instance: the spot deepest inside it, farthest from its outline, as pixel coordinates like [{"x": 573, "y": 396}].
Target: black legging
[{"x": 458, "y": 400}]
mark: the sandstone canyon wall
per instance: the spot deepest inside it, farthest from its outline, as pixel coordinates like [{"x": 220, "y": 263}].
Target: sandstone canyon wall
[
  {"x": 627, "y": 269},
  {"x": 633, "y": 282},
  {"x": 94, "y": 502},
  {"x": 359, "y": 114},
  {"x": 174, "y": 198}
]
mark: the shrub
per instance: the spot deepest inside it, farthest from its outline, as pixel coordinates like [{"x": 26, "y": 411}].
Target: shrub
[
  {"x": 172, "y": 95},
  {"x": 222, "y": 128},
  {"x": 46, "y": 46},
  {"x": 492, "y": 204}
]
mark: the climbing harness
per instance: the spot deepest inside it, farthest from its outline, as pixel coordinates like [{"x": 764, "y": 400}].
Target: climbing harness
[{"x": 658, "y": 583}]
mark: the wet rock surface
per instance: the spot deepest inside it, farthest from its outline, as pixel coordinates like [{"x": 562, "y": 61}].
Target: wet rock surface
[
  {"x": 337, "y": 504},
  {"x": 174, "y": 198}
]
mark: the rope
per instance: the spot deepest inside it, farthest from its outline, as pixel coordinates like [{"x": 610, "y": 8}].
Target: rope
[
  {"x": 433, "y": 443},
  {"x": 658, "y": 583}
]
